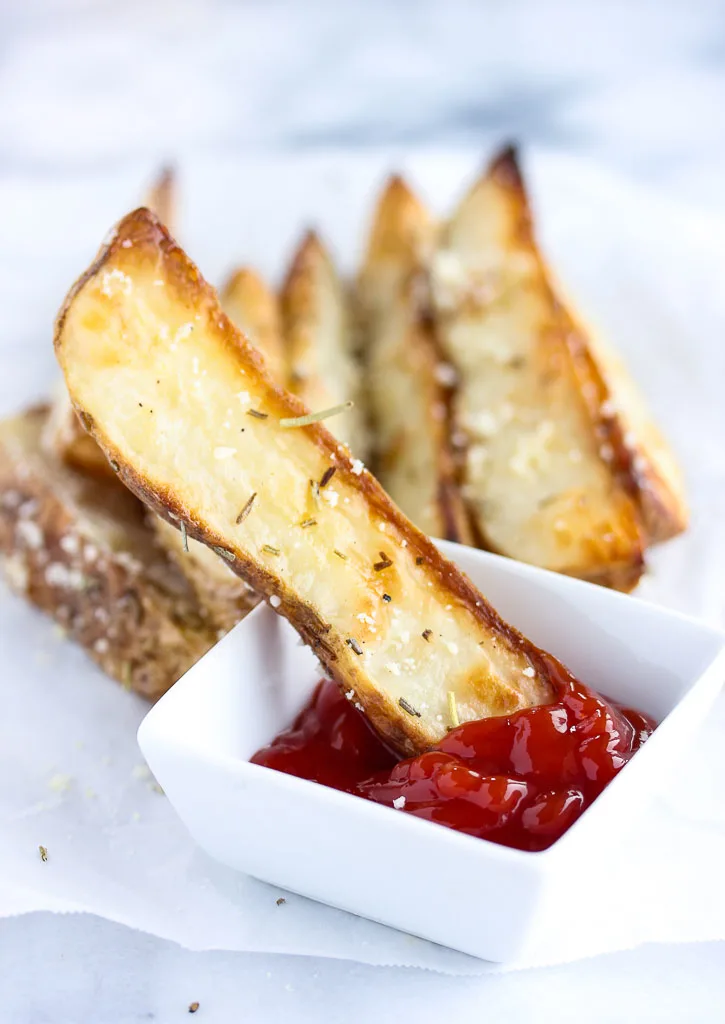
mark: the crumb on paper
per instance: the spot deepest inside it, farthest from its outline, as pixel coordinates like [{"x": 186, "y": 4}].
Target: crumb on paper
[
  {"x": 60, "y": 783},
  {"x": 43, "y": 851},
  {"x": 193, "y": 1007},
  {"x": 280, "y": 901},
  {"x": 156, "y": 788}
]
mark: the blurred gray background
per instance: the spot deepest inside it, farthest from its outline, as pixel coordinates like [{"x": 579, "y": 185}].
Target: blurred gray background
[{"x": 639, "y": 85}]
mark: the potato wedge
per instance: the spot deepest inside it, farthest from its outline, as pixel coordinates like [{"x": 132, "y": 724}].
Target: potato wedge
[
  {"x": 192, "y": 422},
  {"x": 318, "y": 328},
  {"x": 254, "y": 308},
  {"x": 408, "y": 384},
  {"x": 546, "y": 475},
  {"x": 80, "y": 549}
]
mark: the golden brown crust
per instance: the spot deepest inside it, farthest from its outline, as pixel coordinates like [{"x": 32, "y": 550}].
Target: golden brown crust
[
  {"x": 332, "y": 581},
  {"x": 80, "y": 550},
  {"x": 408, "y": 390},
  {"x": 319, "y": 339},
  {"x": 253, "y": 307},
  {"x": 544, "y": 476}
]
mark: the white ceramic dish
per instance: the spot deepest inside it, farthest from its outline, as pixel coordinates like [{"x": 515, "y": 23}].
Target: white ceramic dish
[{"x": 463, "y": 892}]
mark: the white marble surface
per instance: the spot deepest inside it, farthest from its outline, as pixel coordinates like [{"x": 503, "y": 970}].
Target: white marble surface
[
  {"x": 96, "y": 91},
  {"x": 637, "y": 84}
]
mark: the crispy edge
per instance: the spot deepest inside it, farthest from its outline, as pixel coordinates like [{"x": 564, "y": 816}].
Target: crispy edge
[
  {"x": 140, "y": 635},
  {"x": 400, "y": 238},
  {"x": 402, "y": 731}
]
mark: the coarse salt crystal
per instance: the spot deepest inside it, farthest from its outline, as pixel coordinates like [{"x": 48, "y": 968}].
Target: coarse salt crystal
[
  {"x": 399, "y": 803},
  {"x": 70, "y": 544},
  {"x": 59, "y": 575},
  {"x": 446, "y": 375},
  {"x": 356, "y": 467},
  {"x": 30, "y": 533},
  {"x": 60, "y": 783},
  {"x": 275, "y": 601},
  {"x": 116, "y": 281},
  {"x": 529, "y": 672}
]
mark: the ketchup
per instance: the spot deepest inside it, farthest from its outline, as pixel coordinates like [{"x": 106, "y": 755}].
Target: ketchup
[{"x": 520, "y": 780}]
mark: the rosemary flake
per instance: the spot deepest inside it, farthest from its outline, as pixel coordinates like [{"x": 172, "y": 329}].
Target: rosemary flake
[
  {"x": 387, "y": 598},
  {"x": 43, "y": 851},
  {"x": 352, "y": 642},
  {"x": 184, "y": 538},
  {"x": 419, "y": 560},
  {"x": 114, "y": 465},
  {"x": 453, "y": 709},
  {"x": 315, "y": 488},
  {"x": 247, "y": 509},
  {"x": 270, "y": 550},
  {"x": 427, "y": 634},
  {"x": 230, "y": 557},
  {"x": 257, "y": 414},
  {"x": 406, "y": 706},
  {"x": 327, "y": 476},
  {"x": 308, "y": 522},
  {"x": 315, "y": 417},
  {"x": 384, "y": 562},
  {"x": 340, "y": 554}
]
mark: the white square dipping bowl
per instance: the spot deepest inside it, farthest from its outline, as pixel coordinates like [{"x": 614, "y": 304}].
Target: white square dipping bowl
[{"x": 463, "y": 892}]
